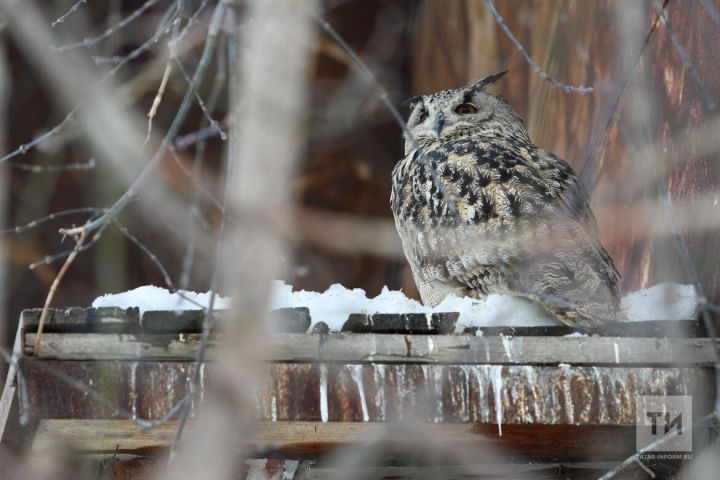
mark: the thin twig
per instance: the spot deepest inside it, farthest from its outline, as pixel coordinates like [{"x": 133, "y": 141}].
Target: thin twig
[
  {"x": 582, "y": 89},
  {"x": 172, "y": 132},
  {"x": 709, "y": 100},
  {"x": 217, "y": 87},
  {"x": 53, "y": 216},
  {"x": 48, "y": 259},
  {"x": 26, "y": 147},
  {"x": 184, "y": 141},
  {"x": 70, "y": 167},
  {"x": 53, "y": 288},
  {"x": 158, "y": 264},
  {"x": 172, "y": 52},
  {"x": 590, "y": 157},
  {"x": 385, "y": 99},
  {"x": 660, "y": 441},
  {"x": 645, "y": 467},
  {"x": 197, "y": 183},
  {"x": 90, "y": 41},
  {"x": 214, "y": 124},
  {"x": 72, "y": 10}
]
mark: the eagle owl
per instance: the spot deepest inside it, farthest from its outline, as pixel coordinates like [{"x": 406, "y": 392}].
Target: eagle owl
[{"x": 480, "y": 209}]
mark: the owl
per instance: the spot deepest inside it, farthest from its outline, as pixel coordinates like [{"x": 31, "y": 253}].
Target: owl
[{"x": 480, "y": 209}]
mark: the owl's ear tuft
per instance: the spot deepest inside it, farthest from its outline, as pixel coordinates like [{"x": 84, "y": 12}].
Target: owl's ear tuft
[
  {"x": 490, "y": 79},
  {"x": 411, "y": 102}
]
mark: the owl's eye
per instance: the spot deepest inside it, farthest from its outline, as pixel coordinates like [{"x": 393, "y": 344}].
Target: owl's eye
[
  {"x": 423, "y": 115},
  {"x": 466, "y": 109}
]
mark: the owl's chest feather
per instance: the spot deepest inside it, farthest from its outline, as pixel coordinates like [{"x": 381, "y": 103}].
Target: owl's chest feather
[{"x": 471, "y": 181}]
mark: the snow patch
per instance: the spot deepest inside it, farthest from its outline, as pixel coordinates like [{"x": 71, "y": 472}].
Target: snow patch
[
  {"x": 150, "y": 297},
  {"x": 665, "y": 301}
]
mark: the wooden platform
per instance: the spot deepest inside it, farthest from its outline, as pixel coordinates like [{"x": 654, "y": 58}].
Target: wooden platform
[{"x": 554, "y": 400}]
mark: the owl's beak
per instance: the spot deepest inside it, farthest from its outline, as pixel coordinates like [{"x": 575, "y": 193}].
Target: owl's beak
[{"x": 439, "y": 122}]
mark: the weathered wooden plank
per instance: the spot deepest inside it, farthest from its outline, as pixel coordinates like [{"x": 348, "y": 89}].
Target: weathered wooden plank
[
  {"x": 310, "y": 439},
  {"x": 360, "y": 348},
  {"x": 79, "y": 319},
  {"x": 91, "y": 346},
  {"x": 645, "y": 329},
  {"x": 488, "y": 394},
  {"x": 406, "y": 323}
]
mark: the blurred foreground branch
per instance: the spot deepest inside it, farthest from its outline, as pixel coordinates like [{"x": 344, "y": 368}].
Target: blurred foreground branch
[{"x": 263, "y": 147}]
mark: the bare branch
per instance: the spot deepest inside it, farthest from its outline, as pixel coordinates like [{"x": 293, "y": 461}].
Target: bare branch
[
  {"x": 72, "y": 10},
  {"x": 53, "y": 288},
  {"x": 534, "y": 66},
  {"x": 90, "y": 41},
  {"x": 172, "y": 132},
  {"x": 709, "y": 100},
  {"x": 53, "y": 216},
  {"x": 70, "y": 167}
]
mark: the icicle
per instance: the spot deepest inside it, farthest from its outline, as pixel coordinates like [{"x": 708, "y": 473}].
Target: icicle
[
  {"x": 438, "y": 393},
  {"x": 356, "y": 373},
  {"x": 567, "y": 393},
  {"x": 496, "y": 380},
  {"x": 507, "y": 345},
  {"x": 379, "y": 371},
  {"x": 323, "y": 393},
  {"x": 484, "y": 341},
  {"x": 466, "y": 393},
  {"x": 602, "y": 406},
  {"x": 133, "y": 389},
  {"x": 273, "y": 408},
  {"x": 430, "y": 345},
  {"x": 401, "y": 389},
  {"x": 617, "y": 352},
  {"x": 483, "y": 404},
  {"x": 202, "y": 383}
]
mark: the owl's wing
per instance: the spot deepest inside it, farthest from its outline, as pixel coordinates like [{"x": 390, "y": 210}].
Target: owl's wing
[{"x": 578, "y": 275}]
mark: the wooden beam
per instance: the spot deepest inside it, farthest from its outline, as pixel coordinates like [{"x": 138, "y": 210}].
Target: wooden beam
[
  {"x": 393, "y": 348},
  {"x": 310, "y": 439}
]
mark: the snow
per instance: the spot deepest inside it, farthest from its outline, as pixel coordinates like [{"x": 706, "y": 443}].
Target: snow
[
  {"x": 665, "y": 301},
  {"x": 335, "y": 305},
  {"x": 150, "y": 298}
]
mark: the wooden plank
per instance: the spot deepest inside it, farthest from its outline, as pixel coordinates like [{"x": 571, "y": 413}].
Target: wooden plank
[
  {"x": 488, "y": 394},
  {"x": 405, "y": 323},
  {"x": 309, "y": 439},
  {"x": 80, "y": 319},
  {"x": 95, "y": 346},
  {"x": 364, "y": 348},
  {"x": 9, "y": 389}
]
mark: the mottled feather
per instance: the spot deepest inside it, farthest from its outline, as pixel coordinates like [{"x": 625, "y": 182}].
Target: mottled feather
[{"x": 480, "y": 209}]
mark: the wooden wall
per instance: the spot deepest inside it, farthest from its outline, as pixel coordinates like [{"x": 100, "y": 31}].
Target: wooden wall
[{"x": 583, "y": 43}]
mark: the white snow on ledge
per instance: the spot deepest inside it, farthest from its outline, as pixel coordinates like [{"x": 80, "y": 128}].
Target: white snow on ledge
[{"x": 665, "y": 301}]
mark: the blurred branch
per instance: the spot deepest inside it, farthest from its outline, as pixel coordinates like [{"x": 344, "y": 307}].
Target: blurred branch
[
  {"x": 276, "y": 62},
  {"x": 586, "y": 173},
  {"x": 72, "y": 10},
  {"x": 534, "y": 66},
  {"x": 385, "y": 99},
  {"x": 53, "y": 216},
  {"x": 90, "y": 41},
  {"x": 70, "y": 167},
  {"x": 172, "y": 131},
  {"x": 709, "y": 100}
]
